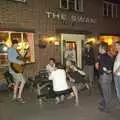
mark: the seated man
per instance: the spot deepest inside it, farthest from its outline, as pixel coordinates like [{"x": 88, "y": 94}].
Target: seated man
[
  {"x": 60, "y": 85},
  {"x": 75, "y": 76},
  {"x": 51, "y": 66}
]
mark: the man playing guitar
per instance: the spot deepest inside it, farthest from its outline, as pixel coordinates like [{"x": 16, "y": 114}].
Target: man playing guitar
[{"x": 19, "y": 81}]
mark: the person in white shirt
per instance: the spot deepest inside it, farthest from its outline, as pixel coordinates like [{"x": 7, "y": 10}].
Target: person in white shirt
[
  {"x": 70, "y": 54},
  {"x": 60, "y": 86},
  {"x": 116, "y": 70},
  {"x": 51, "y": 66}
]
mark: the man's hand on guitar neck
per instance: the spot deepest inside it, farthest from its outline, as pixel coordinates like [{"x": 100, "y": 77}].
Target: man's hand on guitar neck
[{"x": 21, "y": 59}]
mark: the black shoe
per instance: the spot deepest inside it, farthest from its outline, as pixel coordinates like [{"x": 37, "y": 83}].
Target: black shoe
[
  {"x": 102, "y": 104},
  {"x": 104, "y": 110}
]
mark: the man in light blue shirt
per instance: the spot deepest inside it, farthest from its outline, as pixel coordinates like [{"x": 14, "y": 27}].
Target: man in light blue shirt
[{"x": 19, "y": 80}]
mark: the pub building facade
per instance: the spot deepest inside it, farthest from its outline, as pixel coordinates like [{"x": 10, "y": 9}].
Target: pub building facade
[{"x": 48, "y": 28}]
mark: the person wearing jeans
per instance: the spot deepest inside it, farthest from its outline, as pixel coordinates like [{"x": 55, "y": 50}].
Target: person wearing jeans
[
  {"x": 89, "y": 59},
  {"x": 117, "y": 86},
  {"x": 105, "y": 70},
  {"x": 116, "y": 70}
]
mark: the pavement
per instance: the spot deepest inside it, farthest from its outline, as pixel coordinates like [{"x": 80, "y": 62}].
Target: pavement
[{"x": 32, "y": 110}]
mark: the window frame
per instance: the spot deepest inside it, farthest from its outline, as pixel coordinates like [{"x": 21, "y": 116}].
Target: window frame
[
  {"x": 114, "y": 11},
  {"x": 61, "y": 4},
  {"x": 76, "y": 2}
]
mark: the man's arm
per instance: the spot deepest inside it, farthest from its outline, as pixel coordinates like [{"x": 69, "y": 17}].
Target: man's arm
[
  {"x": 12, "y": 57},
  {"x": 116, "y": 66},
  {"x": 97, "y": 62},
  {"x": 117, "y": 70},
  {"x": 51, "y": 76},
  {"x": 47, "y": 68}
]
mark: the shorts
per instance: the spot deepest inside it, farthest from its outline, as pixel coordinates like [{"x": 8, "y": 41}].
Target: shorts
[
  {"x": 18, "y": 77},
  {"x": 65, "y": 92},
  {"x": 73, "y": 84}
]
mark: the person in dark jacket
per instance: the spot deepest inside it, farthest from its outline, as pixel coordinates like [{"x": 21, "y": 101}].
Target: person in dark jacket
[
  {"x": 89, "y": 60},
  {"x": 105, "y": 66}
]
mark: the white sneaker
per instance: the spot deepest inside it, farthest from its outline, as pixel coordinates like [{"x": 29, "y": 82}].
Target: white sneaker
[
  {"x": 77, "y": 103},
  {"x": 62, "y": 97},
  {"x": 87, "y": 86},
  {"x": 71, "y": 96},
  {"x": 57, "y": 100}
]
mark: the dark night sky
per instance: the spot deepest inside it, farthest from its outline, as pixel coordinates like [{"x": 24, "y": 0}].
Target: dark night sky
[{"x": 114, "y": 1}]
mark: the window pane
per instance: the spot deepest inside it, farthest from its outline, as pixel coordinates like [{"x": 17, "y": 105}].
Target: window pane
[
  {"x": 78, "y": 4},
  {"x": 116, "y": 13},
  {"x": 72, "y": 4},
  {"x": 105, "y": 9},
  {"x": 114, "y": 10},
  {"x": 63, "y": 3},
  {"x": 110, "y": 10}
]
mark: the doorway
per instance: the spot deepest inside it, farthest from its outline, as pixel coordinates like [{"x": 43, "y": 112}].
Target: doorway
[{"x": 71, "y": 48}]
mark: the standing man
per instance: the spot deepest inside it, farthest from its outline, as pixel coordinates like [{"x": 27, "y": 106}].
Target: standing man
[
  {"x": 105, "y": 70},
  {"x": 19, "y": 80},
  {"x": 89, "y": 60},
  {"x": 116, "y": 70}
]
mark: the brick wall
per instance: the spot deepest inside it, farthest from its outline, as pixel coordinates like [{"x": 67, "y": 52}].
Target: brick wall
[{"x": 32, "y": 16}]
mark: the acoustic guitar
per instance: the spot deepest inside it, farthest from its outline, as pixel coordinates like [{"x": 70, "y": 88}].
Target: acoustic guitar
[{"x": 18, "y": 68}]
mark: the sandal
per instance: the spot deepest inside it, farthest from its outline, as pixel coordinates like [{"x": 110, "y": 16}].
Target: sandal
[
  {"x": 13, "y": 99},
  {"x": 20, "y": 100}
]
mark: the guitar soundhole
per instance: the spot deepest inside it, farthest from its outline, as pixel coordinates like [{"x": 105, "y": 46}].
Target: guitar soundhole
[{"x": 17, "y": 68}]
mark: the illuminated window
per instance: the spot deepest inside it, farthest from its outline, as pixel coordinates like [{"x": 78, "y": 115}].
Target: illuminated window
[
  {"x": 75, "y": 5},
  {"x": 25, "y": 45},
  {"x": 109, "y": 39}
]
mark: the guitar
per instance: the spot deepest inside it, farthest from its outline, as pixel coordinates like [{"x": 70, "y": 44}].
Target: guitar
[{"x": 19, "y": 68}]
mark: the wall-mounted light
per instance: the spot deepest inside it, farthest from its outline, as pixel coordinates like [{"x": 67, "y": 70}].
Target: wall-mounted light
[
  {"x": 91, "y": 40},
  {"x": 42, "y": 44},
  {"x": 57, "y": 43},
  {"x": 51, "y": 40},
  {"x": 48, "y": 40}
]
